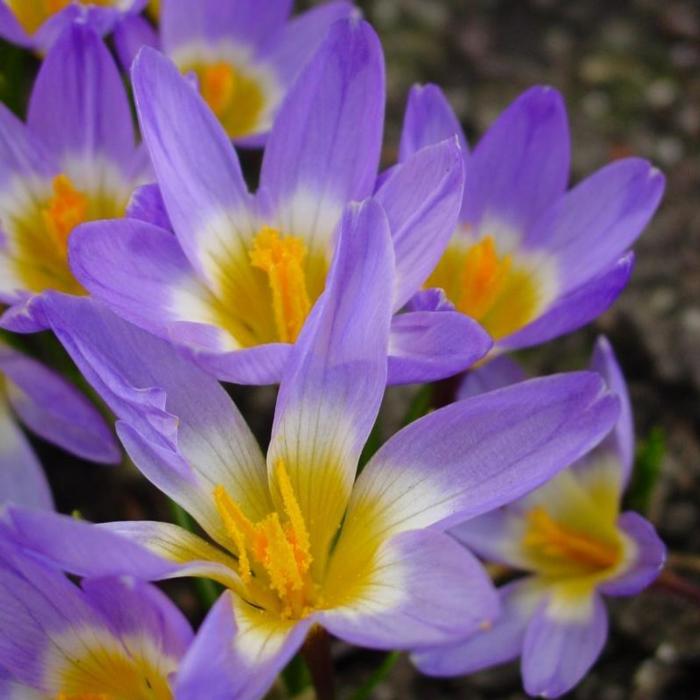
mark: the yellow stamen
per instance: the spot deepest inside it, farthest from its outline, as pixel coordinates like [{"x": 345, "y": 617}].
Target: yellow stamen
[
  {"x": 553, "y": 540},
  {"x": 282, "y": 258},
  {"x": 83, "y": 696},
  {"x": 67, "y": 208},
  {"x": 218, "y": 85},
  {"x": 272, "y": 556}
]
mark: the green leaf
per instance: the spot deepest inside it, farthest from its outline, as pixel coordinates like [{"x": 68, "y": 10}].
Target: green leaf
[
  {"x": 647, "y": 468},
  {"x": 377, "y": 677}
]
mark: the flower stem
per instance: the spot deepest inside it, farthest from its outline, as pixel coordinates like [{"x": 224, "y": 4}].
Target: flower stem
[
  {"x": 377, "y": 677},
  {"x": 317, "y": 654},
  {"x": 671, "y": 582}
]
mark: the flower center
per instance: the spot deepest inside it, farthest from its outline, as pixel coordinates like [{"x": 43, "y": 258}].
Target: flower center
[
  {"x": 281, "y": 259},
  {"x": 492, "y": 289},
  {"x": 31, "y": 14},
  {"x": 237, "y": 99},
  {"x": 67, "y": 208},
  {"x": 568, "y": 549},
  {"x": 274, "y": 554}
]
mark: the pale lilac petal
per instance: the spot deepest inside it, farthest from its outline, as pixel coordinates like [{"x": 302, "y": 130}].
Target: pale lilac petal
[
  {"x": 25, "y": 315},
  {"x": 557, "y": 653},
  {"x": 10, "y": 29},
  {"x": 429, "y": 119},
  {"x": 334, "y": 382},
  {"x": 131, "y": 33},
  {"x": 649, "y": 559},
  {"x": 55, "y": 410},
  {"x": 495, "y": 374},
  {"x": 422, "y": 589},
  {"x": 576, "y": 308},
  {"x": 422, "y": 198},
  {"x": 238, "y": 652},
  {"x": 494, "y": 644},
  {"x": 146, "y": 204}
]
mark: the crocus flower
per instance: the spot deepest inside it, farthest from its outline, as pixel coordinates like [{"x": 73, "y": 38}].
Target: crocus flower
[
  {"x": 574, "y": 545},
  {"x": 75, "y": 160},
  {"x": 38, "y": 23},
  {"x": 108, "y": 638},
  {"x": 235, "y": 284},
  {"x": 34, "y": 395},
  {"x": 245, "y": 54},
  {"x": 530, "y": 260},
  {"x": 296, "y": 540}
]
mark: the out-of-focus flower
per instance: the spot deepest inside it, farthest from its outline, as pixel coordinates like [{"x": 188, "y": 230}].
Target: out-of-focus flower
[
  {"x": 54, "y": 410},
  {"x": 575, "y": 545},
  {"x": 237, "y": 281},
  {"x": 296, "y": 539},
  {"x": 529, "y": 260},
  {"x": 245, "y": 54},
  {"x": 76, "y": 160},
  {"x": 108, "y": 638},
  {"x": 38, "y": 23}
]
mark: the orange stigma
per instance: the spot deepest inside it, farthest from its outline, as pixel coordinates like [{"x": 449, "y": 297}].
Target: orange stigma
[{"x": 67, "y": 208}]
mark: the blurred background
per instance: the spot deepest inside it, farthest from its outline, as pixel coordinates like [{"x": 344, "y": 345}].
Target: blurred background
[{"x": 630, "y": 73}]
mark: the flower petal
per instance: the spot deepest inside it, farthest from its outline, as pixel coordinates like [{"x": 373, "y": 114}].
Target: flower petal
[
  {"x": 316, "y": 159},
  {"x": 494, "y": 644},
  {"x": 334, "y": 382},
  {"x": 422, "y": 198},
  {"x": 495, "y": 374},
  {"x": 419, "y": 589},
  {"x": 79, "y": 106},
  {"x": 10, "y": 29},
  {"x": 558, "y": 652},
  {"x": 131, "y": 33},
  {"x": 56, "y": 410},
  {"x": 238, "y": 652},
  {"x": 146, "y": 204}
]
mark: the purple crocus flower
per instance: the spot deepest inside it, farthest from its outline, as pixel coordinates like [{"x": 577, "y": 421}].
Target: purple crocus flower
[
  {"x": 294, "y": 537},
  {"x": 37, "y": 24},
  {"x": 53, "y": 409},
  {"x": 245, "y": 54},
  {"x": 75, "y": 160},
  {"x": 108, "y": 638},
  {"x": 575, "y": 545},
  {"x": 235, "y": 284},
  {"x": 530, "y": 260}
]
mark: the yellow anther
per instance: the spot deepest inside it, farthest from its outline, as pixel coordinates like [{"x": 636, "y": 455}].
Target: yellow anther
[
  {"x": 239, "y": 528},
  {"x": 82, "y": 696},
  {"x": 553, "y": 540},
  {"x": 67, "y": 208},
  {"x": 483, "y": 278},
  {"x": 218, "y": 86},
  {"x": 296, "y": 531},
  {"x": 282, "y": 258}
]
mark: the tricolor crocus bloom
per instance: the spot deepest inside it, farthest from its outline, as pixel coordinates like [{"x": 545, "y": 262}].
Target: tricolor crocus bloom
[
  {"x": 295, "y": 538},
  {"x": 236, "y": 283},
  {"x": 575, "y": 545},
  {"x": 530, "y": 260},
  {"x": 38, "y": 23},
  {"x": 245, "y": 54},
  {"x": 75, "y": 160},
  {"x": 53, "y": 409},
  {"x": 108, "y": 639}
]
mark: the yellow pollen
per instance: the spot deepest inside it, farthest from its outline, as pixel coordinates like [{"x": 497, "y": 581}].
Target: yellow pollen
[
  {"x": 218, "y": 85},
  {"x": 483, "y": 278},
  {"x": 553, "y": 540},
  {"x": 31, "y": 14},
  {"x": 282, "y": 258},
  {"x": 67, "y": 208},
  {"x": 83, "y": 696},
  {"x": 272, "y": 555}
]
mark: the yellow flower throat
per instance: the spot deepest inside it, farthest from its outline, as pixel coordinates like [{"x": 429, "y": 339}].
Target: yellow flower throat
[
  {"x": 66, "y": 209},
  {"x": 31, "y": 14},
  {"x": 274, "y": 554}
]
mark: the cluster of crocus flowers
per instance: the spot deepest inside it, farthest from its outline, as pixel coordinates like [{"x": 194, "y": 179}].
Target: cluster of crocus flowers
[
  {"x": 296, "y": 540},
  {"x": 574, "y": 544},
  {"x": 236, "y": 283},
  {"x": 74, "y": 161}
]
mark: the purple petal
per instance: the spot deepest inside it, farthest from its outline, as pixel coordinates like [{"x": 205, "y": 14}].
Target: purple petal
[
  {"x": 79, "y": 106},
  {"x": 497, "y": 643},
  {"x": 576, "y": 308},
  {"x": 317, "y": 159},
  {"x": 595, "y": 223},
  {"x": 22, "y": 479},
  {"x": 621, "y": 441},
  {"x": 426, "y": 346},
  {"x": 557, "y": 653},
  {"x": 648, "y": 561},
  {"x": 422, "y": 198},
  {"x": 146, "y": 204},
  {"x": 495, "y": 374},
  {"x": 423, "y": 589},
  {"x": 197, "y": 168},
  {"x": 131, "y": 33},
  {"x": 10, "y": 29},
  {"x": 429, "y": 119},
  {"x": 56, "y": 410},
  {"x": 238, "y": 652},
  {"x": 334, "y": 382},
  {"x": 521, "y": 165}
]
